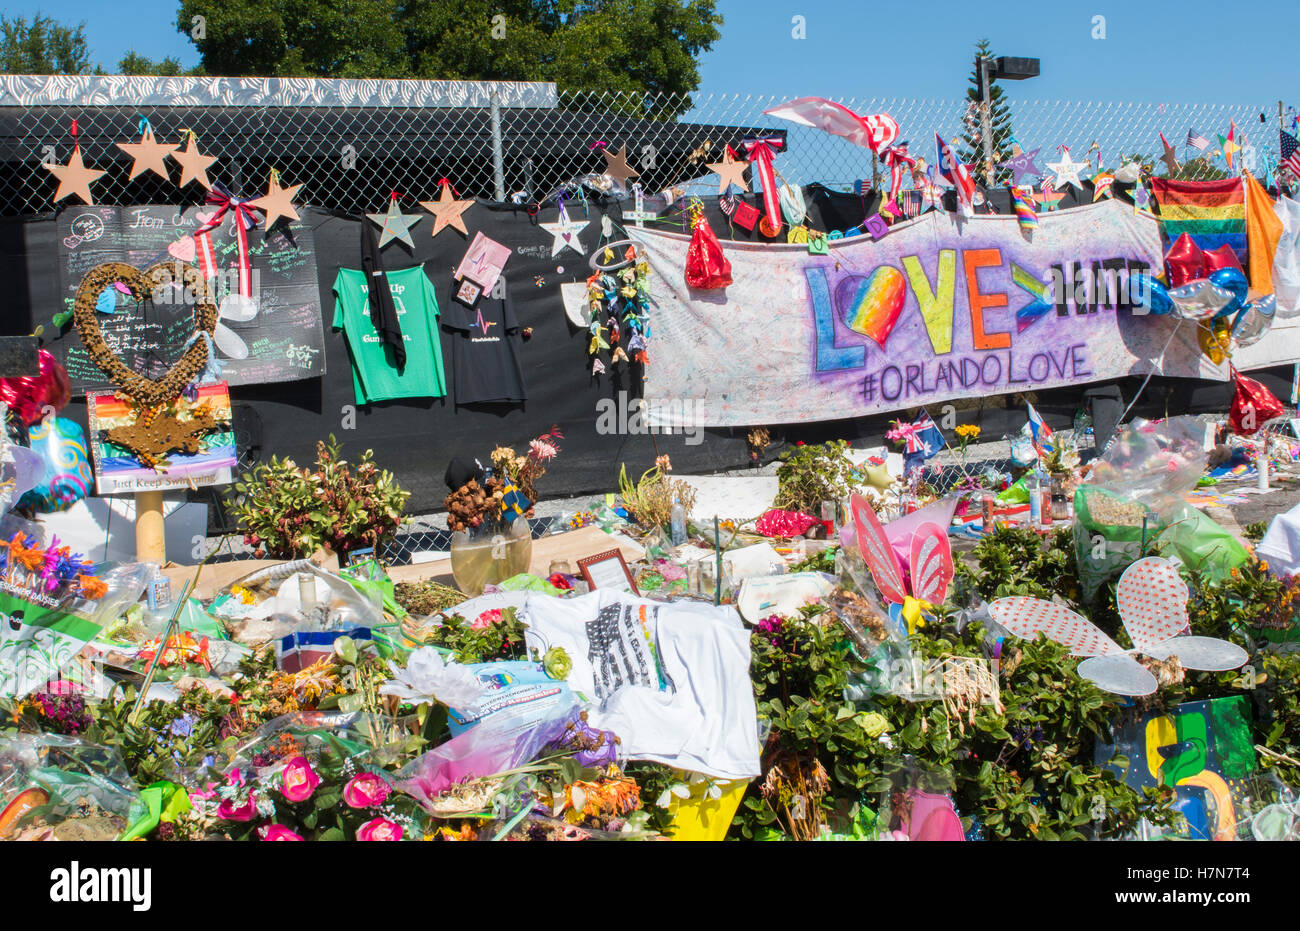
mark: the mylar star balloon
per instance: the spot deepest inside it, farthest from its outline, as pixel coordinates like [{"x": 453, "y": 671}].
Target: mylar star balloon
[{"x": 1198, "y": 300}]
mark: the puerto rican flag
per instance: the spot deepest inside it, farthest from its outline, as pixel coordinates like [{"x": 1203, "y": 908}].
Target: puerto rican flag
[
  {"x": 955, "y": 173},
  {"x": 1042, "y": 433}
]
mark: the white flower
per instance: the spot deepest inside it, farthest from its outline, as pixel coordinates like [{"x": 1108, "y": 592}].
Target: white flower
[{"x": 428, "y": 677}]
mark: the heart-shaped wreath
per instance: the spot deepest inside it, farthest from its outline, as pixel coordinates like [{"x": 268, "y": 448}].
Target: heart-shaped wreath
[{"x": 149, "y": 393}]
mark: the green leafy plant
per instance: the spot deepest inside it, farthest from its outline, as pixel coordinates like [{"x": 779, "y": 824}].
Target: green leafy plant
[
  {"x": 290, "y": 512},
  {"x": 810, "y": 475},
  {"x": 649, "y": 500}
]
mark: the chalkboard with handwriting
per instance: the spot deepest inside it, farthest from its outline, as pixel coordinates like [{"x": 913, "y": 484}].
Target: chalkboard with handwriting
[{"x": 283, "y": 341}]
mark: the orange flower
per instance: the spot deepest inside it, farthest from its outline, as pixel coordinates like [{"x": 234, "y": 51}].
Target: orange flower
[
  {"x": 30, "y": 558},
  {"x": 91, "y": 587}
]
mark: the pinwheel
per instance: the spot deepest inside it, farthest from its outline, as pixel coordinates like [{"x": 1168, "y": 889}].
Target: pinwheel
[{"x": 1152, "y": 602}]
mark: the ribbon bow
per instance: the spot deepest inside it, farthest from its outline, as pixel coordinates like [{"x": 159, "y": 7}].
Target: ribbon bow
[
  {"x": 220, "y": 197},
  {"x": 896, "y": 159},
  {"x": 761, "y": 151}
]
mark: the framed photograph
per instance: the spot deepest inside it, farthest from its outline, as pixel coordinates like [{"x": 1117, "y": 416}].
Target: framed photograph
[
  {"x": 468, "y": 293},
  {"x": 607, "y": 570}
]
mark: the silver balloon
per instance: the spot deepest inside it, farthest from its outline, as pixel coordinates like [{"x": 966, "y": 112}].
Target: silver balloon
[
  {"x": 1198, "y": 300},
  {"x": 1254, "y": 321}
]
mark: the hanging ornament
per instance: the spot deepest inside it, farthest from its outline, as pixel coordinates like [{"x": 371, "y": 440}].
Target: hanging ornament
[
  {"x": 148, "y": 154},
  {"x": 1101, "y": 185},
  {"x": 277, "y": 202},
  {"x": 447, "y": 210},
  {"x": 730, "y": 171},
  {"x": 1026, "y": 214},
  {"x": 194, "y": 165},
  {"x": 616, "y": 166},
  {"x": 565, "y": 233},
  {"x": 205, "y": 254},
  {"x": 1067, "y": 169},
  {"x": 706, "y": 267},
  {"x": 394, "y": 224},
  {"x": 1170, "y": 158},
  {"x": 762, "y": 151},
  {"x": 74, "y": 177}
]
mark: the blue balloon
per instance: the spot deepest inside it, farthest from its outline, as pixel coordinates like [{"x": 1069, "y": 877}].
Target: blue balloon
[
  {"x": 68, "y": 476},
  {"x": 1150, "y": 295},
  {"x": 1234, "y": 282}
]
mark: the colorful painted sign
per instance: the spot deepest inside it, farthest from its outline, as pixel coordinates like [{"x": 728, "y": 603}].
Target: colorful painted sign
[
  {"x": 119, "y": 471},
  {"x": 1204, "y": 750},
  {"x": 943, "y": 307}
]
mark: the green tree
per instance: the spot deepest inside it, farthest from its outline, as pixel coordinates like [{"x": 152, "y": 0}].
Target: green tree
[
  {"x": 135, "y": 63},
  {"x": 972, "y": 150},
  {"x": 641, "y": 47},
  {"x": 297, "y": 38},
  {"x": 42, "y": 46}
]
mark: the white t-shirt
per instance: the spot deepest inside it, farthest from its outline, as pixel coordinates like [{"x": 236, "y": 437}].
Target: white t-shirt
[{"x": 671, "y": 680}]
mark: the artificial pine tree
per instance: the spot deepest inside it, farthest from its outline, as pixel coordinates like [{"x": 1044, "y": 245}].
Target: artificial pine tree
[{"x": 972, "y": 150}]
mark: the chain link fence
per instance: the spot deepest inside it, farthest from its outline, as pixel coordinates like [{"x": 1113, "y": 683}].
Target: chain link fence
[{"x": 351, "y": 158}]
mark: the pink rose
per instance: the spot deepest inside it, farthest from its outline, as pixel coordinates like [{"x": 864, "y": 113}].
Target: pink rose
[
  {"x": 245, "y": 812},
  {"x": 486, "y": 619},
  {"x": 379, "y": 829},
  {"x": 299, "y": 780},
  {"x": 366, "y": 790},
  {"x": 278, "y": 832}
]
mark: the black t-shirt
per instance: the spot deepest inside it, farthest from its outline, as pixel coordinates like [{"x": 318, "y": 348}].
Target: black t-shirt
[{"x": 485, "y": 346}]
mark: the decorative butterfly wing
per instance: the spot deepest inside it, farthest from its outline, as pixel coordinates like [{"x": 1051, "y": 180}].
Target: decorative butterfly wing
[
  {"x": 931, "y": 561},
  {"x": 1107, "y": 666},
  {"x": 1027, "y": 617},
  {"x": 1208, "y": 654},
  {"x": 1120, "y": 674},
  {"x": 237, "y": 309},
  {"x": 876, "y": 552},
  {"x": 229, "y": 342},
  {"x": 1152, "y": 600}
]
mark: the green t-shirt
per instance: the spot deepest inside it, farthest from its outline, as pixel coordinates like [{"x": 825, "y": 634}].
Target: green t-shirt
[{"x": 375, "y": 376}]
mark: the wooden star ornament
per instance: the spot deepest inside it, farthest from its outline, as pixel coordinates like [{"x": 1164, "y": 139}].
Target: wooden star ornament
[
  {"x": 148, "y": 154},
  {"x": 447, "y": 210},
  {"x": 616, "y": 165},
  {"x": 74, "y": 177},
  {"x": 194, "y": 164},
  {"x": 394, "y": 224},
  {"x": 277, "y": 202},
  {"x": 730, "y": 171}
]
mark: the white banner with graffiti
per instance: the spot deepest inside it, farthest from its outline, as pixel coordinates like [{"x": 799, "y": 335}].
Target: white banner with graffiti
[{"x": 941, "y": 307}]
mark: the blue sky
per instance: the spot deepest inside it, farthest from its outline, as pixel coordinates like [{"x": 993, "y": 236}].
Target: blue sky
[{"x": 1177, "y": 52}]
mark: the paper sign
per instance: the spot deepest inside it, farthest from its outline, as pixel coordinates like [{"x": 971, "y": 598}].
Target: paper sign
[
  {"x": 119, "y": 471},
  {"x": 483, "y": 262}
]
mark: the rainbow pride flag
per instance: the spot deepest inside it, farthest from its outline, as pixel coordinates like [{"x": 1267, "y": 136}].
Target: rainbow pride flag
[{"x": 1211, "y": 212}]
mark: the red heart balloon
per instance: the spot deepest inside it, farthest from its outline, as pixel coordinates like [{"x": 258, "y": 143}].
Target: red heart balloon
[{"x": 28, "y": 396}]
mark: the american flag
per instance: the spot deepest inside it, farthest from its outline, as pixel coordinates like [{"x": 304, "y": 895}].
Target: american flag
[
  {"x": 912, "y": 202},
  {"x": 1196, "y": 140},
  {"x": 1290, "y": 158}
]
